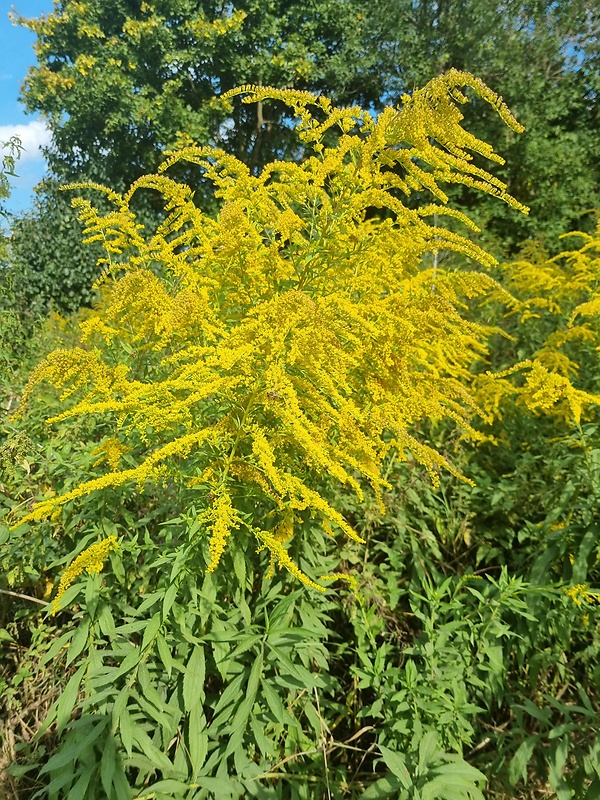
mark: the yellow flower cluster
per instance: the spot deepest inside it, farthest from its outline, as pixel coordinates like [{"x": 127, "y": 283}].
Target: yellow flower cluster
[
  {"x": 90, "y": 561},
  {"x": 563, "y": 293},
  {"x": 297, "y": 334},
  {"x": 581, "y": 593},
  {"x": 111, "y": 450}
]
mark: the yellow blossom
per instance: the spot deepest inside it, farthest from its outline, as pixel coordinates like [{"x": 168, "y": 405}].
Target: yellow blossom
[
  {"x": 91, "y": 561},
  {"x": 580, "y": 592}
]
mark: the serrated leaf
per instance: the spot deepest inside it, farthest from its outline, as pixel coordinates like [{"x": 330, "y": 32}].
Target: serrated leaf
[
  {"x": 126, "y": 730},
  {"x": 151, "y": 630},
  {"x": 57, "y": 646},
  {"x": 151, "y": 751},
  {"x": 169, "y": 786},
  {"x": 108, "y": 765},
  {"x": 120, "y": 704},
  {"x": 221, "y": 787},
  {"x": 517, "y": 769},
  {"x": 387, "y": 786},
  {"x": 74, "y": 747},
  {"x": 169, "y": 599},
  {"x": 459, "y": 769},
  {"x": 79, "y": 790},
  {"x": 164, "y": 651},
  {"x": 428, "y": 748},
  {"x": 230, "y": 694},
  {"x": 267, "y": 747},
  {"x": 451, "y": 789}
]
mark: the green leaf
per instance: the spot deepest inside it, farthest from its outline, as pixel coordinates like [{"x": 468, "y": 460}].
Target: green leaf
[
  {"x": 451, "y": 789},
  {"x": 557, "y": 764},
  {"x": 267, "y": 747},
  {"x": 231, "y": 693},
  {"x": 221, "y": 787},
  {"x": 70, "y": 595},
  {"x": 193, "y": 679},
  {"x": 459, "y": 769},
  {"x": 156, "y": 756},
  {"x": 428, "y": 748},
  {"x": 106, "y": 621},
  {"x": 57, "y": 646},
  {"x": 108, "y": 765},
  {"x": 79, "y": 640},
  {"x": 169, "y": 786},
  {"x": 164, "y": 651},
  {"x": 151, "y": 630},
  {"x": 74, "y": 746},
  {"x": 120, "y": 704},
  {"x": 387, "y": 786},
  {"x": 79, "y": 790},
  {"x": 92, "y": 593},
  {"x": 68, "y": 698},
  {"x": 517, "y": 769},
  {"x": 169, "y": 599},
  {"x": 242, "y": 714},
  {"x": 396, "y": 763},
  {"x": 197, "y": 739},
  {"x": 126, "y": 730}
]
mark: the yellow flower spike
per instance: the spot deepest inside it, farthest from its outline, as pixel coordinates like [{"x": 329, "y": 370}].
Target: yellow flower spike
[
  {"x": 280, "y": 555},
  {"x": 224, "y": 520},
  {"x": 91, "y": 561},
  {"x": 110, "y": 450}
]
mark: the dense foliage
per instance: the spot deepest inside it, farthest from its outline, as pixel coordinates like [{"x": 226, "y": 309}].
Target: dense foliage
[
  {"x": 120, "y": 81},
  {"x": 10, "y": 152},
  {"x": 261, "y": 399}
]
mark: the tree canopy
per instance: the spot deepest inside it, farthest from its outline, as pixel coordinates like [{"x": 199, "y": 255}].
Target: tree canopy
[{"x": 124, "y": 80}]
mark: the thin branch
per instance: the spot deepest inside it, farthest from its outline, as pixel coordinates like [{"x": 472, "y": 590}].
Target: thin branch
[{"x": 24, "y": 597}]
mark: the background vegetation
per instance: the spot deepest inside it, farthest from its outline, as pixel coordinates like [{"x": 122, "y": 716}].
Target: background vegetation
[{"x": 460, "y": 660}]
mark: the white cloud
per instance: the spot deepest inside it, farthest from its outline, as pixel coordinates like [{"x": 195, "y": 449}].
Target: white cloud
[{"x": 33, "y": 136}]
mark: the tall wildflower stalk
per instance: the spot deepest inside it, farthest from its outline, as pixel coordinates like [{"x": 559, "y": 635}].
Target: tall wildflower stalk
[{"x": 295, "y": 335}]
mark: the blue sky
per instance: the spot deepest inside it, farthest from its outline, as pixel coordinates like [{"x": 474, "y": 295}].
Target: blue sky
[{"x": 16, "y": 55}]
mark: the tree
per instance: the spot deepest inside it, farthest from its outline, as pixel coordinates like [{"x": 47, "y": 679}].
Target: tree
[
  {"x": 10, "y": 152},
  {"x": 123, "y": 80},
  {"x": 542, "y": 57},
  {"x": 48, "y": 262}
]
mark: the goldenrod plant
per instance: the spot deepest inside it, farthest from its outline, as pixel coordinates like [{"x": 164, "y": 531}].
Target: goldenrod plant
[
  {"x": 557, "y": 305},
  {"x": 295, "y": 335},
  {"x": 263, "y": 404}
]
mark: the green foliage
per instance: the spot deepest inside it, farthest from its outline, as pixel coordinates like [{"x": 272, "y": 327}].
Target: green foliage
[
  {"x": 463, "y": 664},
  {"x": 122, "y": 82},
  {"x": 49, "y": 266}
]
